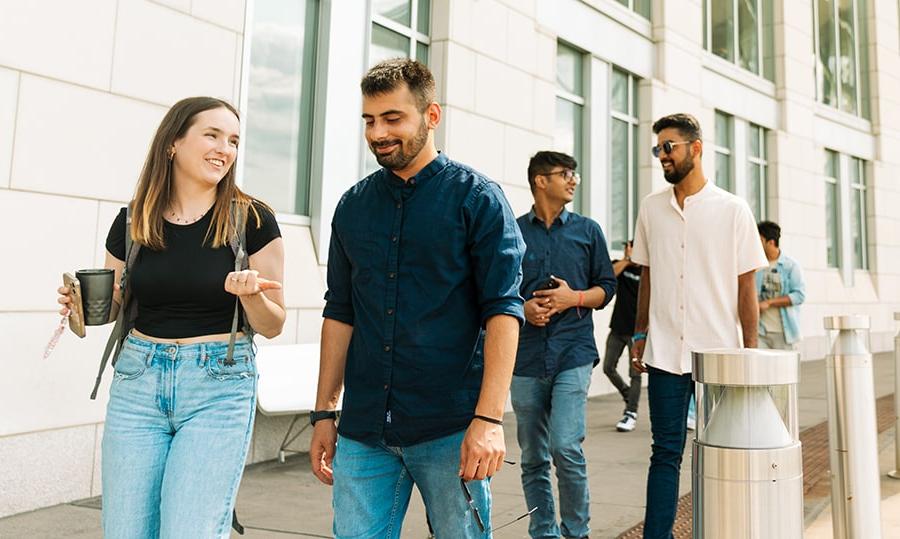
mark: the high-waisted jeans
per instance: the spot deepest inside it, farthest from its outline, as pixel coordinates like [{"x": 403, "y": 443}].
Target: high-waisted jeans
[{"x": 177, "y": 431}]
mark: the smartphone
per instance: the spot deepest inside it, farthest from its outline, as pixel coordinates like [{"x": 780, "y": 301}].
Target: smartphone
[
  {"x": 549, "y": 284},
  {"x": 76, "y": 313}
]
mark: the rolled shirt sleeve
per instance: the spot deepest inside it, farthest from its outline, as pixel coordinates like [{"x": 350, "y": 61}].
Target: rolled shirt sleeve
[
  {"x": 602, "y": 273},
  {"x": 497, "y": 250},
  {"x": 338, "y": 297}
]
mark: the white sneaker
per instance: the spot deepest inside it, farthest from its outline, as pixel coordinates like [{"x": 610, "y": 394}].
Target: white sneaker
[
  {"x": 627, "y": 423},
  {"x": 691, "y": 423}
]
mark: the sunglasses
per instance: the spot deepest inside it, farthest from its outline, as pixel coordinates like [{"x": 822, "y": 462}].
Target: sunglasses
[
  {"x": 667, "y": 147},
  {"x": 477, "y": 515}
]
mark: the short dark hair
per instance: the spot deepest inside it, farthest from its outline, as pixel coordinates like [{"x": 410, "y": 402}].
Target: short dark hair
[
  {"x": 388, "y": 75},
  {"x": 543, "y": 162},
  {"x": 769, "y": 230},
  {"x": 686, "y": 124}
]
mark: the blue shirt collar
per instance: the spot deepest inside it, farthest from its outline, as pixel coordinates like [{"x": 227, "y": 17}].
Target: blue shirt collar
[
  {"x": 563, "y": 216},
  {"x": 431, "y": 169}
]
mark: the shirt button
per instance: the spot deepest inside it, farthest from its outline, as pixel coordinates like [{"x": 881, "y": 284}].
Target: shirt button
[
  {"x": 385, "y": 387},
  {"x": 412, "y": 181},
  {"x": 394, "y": 239},
  {"x": 399, "y": 205},
  {"x": 391, "y": 275},
  {"x": 390, "y": 311},
  {"x": 387, "y": 348}
]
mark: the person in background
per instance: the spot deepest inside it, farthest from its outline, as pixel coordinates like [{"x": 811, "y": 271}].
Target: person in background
[
  {"x": 621, "y": 325},
  {"x": 781, "y": 291}
]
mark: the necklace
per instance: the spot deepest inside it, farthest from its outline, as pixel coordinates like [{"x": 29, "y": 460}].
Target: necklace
[{"x": 173, "y": 217}]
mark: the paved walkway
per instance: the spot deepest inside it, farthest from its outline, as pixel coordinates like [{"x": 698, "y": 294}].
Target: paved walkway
[{"x": 281, "y": 501}]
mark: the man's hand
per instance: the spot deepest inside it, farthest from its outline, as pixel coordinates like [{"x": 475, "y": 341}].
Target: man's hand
[
  {"x": 482, "y": 451},
  {"x": 535, "y": 313},
  {"x": 557, "y": 299},
  {"x": 637, "y": 355},
  {"x": 764, "y": 304},
  {"x": 321, "y": 450}
]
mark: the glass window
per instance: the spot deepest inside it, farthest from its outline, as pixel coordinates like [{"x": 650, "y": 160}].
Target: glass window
[
  {"x": 724, "y": 149},
  {"x": 623, "y": 157},
  {"x": 841, "y": 54},
  {"x": 568, "y": 135},
  {"x": 642, "y": 7},
  {"x": 858, "y": 212},
  {"x": 757, "y": 169},
  {"x": 399, "y": 30},
  {"x": 279, "y": 118},
  {"x": 740, "y": 31},
  {"x": 832, "y": 221}
]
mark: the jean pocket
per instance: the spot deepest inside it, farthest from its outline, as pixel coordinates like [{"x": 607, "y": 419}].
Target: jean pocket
[
  {"x": 131, "y": 364},
  {"x": 243, "y": 367}
]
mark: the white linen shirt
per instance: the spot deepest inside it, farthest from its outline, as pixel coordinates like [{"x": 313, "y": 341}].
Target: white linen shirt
[{"x": 695, "y": 256}]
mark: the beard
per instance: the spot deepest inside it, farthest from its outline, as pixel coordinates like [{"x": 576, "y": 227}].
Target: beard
[
  {"x": 405, "y": 152},
  {"x": 679, "y": 170}
]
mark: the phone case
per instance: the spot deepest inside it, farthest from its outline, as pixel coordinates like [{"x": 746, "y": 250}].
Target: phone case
[{"x": 76, "y": 314}]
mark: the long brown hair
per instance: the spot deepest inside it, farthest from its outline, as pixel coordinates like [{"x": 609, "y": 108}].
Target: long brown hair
[{"x": 154, "y": 188}]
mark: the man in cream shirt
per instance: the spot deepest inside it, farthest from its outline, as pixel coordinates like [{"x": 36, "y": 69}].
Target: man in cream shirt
[{"x": 703, "y": 246}]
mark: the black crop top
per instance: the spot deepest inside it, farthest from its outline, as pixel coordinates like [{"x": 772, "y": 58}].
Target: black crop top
[{"x": 181, "y": 289}]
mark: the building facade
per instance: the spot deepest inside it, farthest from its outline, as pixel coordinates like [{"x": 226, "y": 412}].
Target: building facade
[{"x": 799, "y": 101}]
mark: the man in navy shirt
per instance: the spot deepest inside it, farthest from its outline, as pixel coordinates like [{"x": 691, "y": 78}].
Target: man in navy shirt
[
  {"x": 421, "y": 321},
  {"x": 566, "y": 274}
]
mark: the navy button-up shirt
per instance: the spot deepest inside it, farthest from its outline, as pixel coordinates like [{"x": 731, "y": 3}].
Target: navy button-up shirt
[
  {"x": 417, "y": 268},
  {"x": 573, "y": 249}
]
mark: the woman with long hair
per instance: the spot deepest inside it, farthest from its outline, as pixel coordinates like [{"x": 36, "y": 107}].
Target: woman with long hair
[{"x": 181, "y": 411}]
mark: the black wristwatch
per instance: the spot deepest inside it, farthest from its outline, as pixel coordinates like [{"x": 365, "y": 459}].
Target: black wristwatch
[{"x": 321, "y": 414}]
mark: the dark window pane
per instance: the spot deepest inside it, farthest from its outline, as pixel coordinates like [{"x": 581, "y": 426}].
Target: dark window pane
[
  {"x": 619, "y": 98},
  {"x": 620, "y": 161},
  {"x": 847, "y": 48},
  {"x": 569, "y": 69},
  {"x": 387, "y": 44},
  {"x": 723, "y": 29},
  {"x": 424, "y": 16},
  {"x": 827, "y": 57},
  {"x": 422, "y": 53},
  {"x": 748, "y": 34},
  {"x": 831, "y": 224},
  {"x": 723, "y": 171}
]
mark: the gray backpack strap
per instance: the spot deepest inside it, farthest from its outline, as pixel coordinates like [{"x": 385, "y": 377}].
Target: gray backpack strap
[
  {"x": 117, "y": 337},
  {"x": 241, "y": 262}
]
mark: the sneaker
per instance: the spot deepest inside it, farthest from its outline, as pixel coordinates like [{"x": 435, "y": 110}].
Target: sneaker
[
  {"x": 627, "y": 423},
  {"x": 691, "y": 423}
]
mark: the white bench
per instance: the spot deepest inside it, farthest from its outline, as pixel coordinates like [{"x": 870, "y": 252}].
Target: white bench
[{"x": 288, "y": 377}]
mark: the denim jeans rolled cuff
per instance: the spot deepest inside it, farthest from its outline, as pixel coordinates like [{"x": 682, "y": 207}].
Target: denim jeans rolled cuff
[
  {"x": 631, "y": 392},
  {"x": 554, "y": 433},
  {"x": 176, "y": 437},
  {"x": 373, "y": 484},
  {"x": 669, "y": 396}
]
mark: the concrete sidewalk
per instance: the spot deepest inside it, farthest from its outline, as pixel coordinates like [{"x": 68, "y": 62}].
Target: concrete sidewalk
[{"x": 278, "y": 500}]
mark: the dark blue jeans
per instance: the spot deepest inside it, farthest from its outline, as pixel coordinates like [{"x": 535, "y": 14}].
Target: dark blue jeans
[{"x": 669, "y": 396}]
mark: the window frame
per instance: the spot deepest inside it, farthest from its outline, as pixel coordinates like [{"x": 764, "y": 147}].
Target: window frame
[
  {"x": 724, "y": 150},
  {"x": 833, "y": 183},
  {"x": 412, "y": 32},
  {"x": 632, "y": 120},
  {"x": 859, "y": 58},
  {"x": 858, "y": 194},
  {"x": 763, "y": 43},
  {"x": 761, "y": 161},
  {"x": 581, "y": 102}
]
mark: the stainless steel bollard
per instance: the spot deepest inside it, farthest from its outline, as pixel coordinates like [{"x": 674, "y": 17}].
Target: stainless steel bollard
[
  {"x": 747, "y": 462},
  {"x": 852, "y": 430},
  {"x": 895, "y": 473}
]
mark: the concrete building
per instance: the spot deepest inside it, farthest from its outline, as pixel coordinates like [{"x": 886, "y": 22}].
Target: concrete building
[{"x": 799, "y": 100}]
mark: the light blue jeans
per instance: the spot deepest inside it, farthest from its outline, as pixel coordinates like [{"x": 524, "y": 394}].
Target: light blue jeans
[
  {"x": 177, "y": 431},
  {"x": 550, "y": 415},
  {"x": 372, "y": 486}
]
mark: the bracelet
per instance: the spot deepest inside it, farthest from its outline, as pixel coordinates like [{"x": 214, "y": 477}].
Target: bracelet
[
  {"x": 488, "y": 419},
  {"x": 640, "y": 336},
  {"x": 580, "y": 299}
]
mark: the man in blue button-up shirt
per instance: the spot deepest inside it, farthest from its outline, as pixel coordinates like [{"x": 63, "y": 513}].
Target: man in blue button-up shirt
[
  {"x": 421, "y": 322},
  {"x": 567, "y": 274}
]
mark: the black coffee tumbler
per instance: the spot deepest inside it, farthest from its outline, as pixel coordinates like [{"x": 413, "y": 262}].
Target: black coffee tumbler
[{"x": 96, "y": 294}]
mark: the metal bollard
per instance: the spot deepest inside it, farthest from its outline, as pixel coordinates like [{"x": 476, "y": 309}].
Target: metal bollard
[
  {"x": 895, "y": 473},
  {"x": 852, "y": 430},
  {"x": 747, "y": 462}
]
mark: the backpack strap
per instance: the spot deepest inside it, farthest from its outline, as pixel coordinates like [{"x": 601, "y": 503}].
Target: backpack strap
[
  {"x": 241, "y": 262},
  {"x": 120, "y": 330}
]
